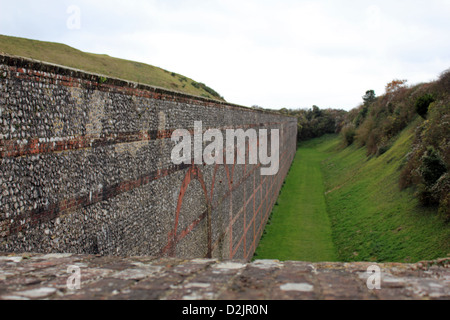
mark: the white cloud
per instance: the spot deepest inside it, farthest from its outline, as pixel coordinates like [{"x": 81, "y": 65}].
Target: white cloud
[{"x": 274, "y": 54}]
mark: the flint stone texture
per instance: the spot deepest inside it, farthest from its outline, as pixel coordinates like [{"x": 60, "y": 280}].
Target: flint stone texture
[
  {"x": 86, "y": 168},
  {"x": 38, "y": 277}
]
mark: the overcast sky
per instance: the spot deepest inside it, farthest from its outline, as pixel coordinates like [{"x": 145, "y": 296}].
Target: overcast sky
[{"x": 274, "y": 54}]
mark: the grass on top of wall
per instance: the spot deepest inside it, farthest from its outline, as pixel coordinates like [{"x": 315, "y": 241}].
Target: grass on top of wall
[{"x": 103, "y": 64}]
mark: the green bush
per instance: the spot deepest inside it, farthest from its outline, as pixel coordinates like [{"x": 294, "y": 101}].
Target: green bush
[
  {"x": 102, "y": 80},
  {"x": 435, "y": 185},
  {"x": 200, "y": 85},
  {"x": 383, "y": 149},
  {"x": 425, "y": 196},
  {"x": 349, "y": 134},
  {"x": 444, "y": 208},
  {"x": 361, "y": 115},
  {"x": 316, "y": 122},
  {"x": 441, "y": 191},
  {"x": 432, "y": 168},
  {"x": 423, "y": 103}
]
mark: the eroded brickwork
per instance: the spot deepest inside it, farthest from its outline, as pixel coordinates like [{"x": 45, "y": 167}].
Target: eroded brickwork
[{"x": 86, "y": 168}]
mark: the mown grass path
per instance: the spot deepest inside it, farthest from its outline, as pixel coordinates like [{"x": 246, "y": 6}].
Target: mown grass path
[
  {"x": 299, "y": 228},
  {"x": 339, "y": 205}
]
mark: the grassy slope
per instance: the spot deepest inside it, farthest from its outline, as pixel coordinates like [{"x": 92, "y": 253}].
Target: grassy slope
[
  {"x": 372, "y": 220},
  {"x": 102, "y": 64},
  {"x": 299, "y": 228}
]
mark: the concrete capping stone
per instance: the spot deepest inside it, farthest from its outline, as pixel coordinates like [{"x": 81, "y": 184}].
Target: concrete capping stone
[{"x": 43, "y": 277}]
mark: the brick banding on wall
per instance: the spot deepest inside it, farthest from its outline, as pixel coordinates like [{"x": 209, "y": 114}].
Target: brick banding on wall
[
  {"x": 86, "y": 168},
  {"x": 19, "y": 148}
]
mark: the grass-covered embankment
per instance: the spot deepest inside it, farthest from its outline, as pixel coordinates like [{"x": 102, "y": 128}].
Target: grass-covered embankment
[
  {"x": 371, "y": 218},
  {"x": 103, "y": 64},
  {"x": 338, "y": 204}
]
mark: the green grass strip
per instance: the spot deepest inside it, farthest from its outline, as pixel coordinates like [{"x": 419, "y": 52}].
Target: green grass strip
[{"x": 299, "y": 228}]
